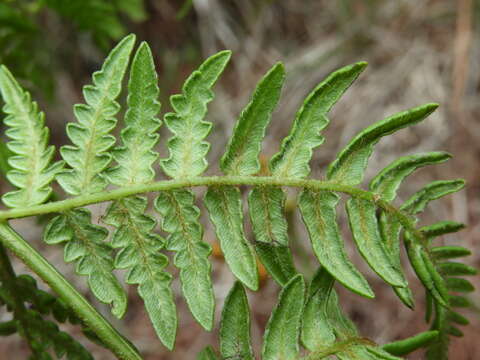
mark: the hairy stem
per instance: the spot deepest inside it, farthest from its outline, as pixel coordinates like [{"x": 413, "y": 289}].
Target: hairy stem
[
  {"x": 40, "y": 266},
  {"x": 7, "y": 277},
  {"x": 165, "y": 185}
]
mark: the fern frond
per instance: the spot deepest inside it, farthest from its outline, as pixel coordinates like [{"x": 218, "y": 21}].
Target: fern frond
[
  {"x": 140, "y": 254},
  {"x": 30, "y": 306},
  {"x": 316, "y": 319},
  {"x": 32, "y": 169},
  {"x": 187, "y": 147},
  {"x": 89, "y": 156},
  {"x": 85, "y": 244},
  {"x": 180, "y": 220}
]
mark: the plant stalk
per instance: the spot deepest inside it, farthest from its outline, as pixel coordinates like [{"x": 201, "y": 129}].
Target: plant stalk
[{"x": 166, "y": 185}]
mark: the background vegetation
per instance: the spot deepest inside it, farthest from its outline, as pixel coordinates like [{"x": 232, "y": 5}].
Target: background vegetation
[{"x": 418, "y": 52}]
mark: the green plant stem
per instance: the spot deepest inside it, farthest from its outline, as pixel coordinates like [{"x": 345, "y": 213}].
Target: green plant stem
[
  {"x": 8, "y": 277},
  {"x": 40, "y": 266},
  {"x": 165, "y": 185}
]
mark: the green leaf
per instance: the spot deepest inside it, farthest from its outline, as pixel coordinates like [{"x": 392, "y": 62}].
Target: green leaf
[
  {"x": 278, "y": 261},
  {"x": 349, "y": 166},
  {"x": 140, "y": 254},
  {"x": 207, "y": 354},
  {"x": 296, "y": 150},
  {"x": 283, "y": 328},
  {"x": 456, "y": 269},
  {"x": 406, "y": 346},
  {"x": 187, "y": 147},
  {"x": 441, "y": 228},
  {"x": 452, "y": 330},
  {"x": 317, "y": 329},
  {"x": 31, "y": 169},
  {"x": 459, "y": 285},
  {"x": 47, "y": 336},
  {"x": 363, "y": 223},
  {"x": 139, "y": 137},
  {"x": 435, "y": 190},
  {"x": 449, "y": 252},
  {"x": 319, "y": 216},
  {"x": 241, "y": 156},
  {"x": 459, "y": 301},
  {"x": 389, "y": 179},
  {"x": 266, "y": 207},
  {"x": 235, "y": 326},
  {"x": 425, "y": 270},
  {"x": 390, "y": 230},
  {"x": 85, "y": 243},
  {"x": 89, "y": 156},
  {"x": 225, "y": 208},
  {"x": 457, "y": 318},
  {"x": 180, "y": 220},
  {"x": 438, "y": 350}
]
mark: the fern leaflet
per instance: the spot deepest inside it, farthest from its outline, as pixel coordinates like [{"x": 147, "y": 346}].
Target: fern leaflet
[{"x": 31, "y": 168}]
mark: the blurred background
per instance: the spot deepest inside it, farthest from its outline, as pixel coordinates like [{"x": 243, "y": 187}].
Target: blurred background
[{"x": 418, "y": 52}]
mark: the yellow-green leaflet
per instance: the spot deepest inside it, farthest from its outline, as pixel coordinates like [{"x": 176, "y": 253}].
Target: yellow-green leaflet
[
  {"x": 241, "y": 156},
  {"x": 180, "y": 220},
  {"x": 187, "y": 147},
  {"x": 85, "y": 244},
  {"x": 30, "y": 162},
  {"x": 224, "y": 206},
  {"x": 89, "y": 155},
  {"x": 408, "y": 345},
  {"x": 280, "y": 340},
  {"x": 235, "y": 326},
  {"x": 390, "y": 178},
  {"x": 317, "y": 332},
  {"x": 140, "y": 254},
  {"x": 297, "y": 148},
  {"x": 363, "y": 223},
  {"x": 435, "y": 190},
  {"x": 349, "y": 166},
  {"x": 319, "y": 215},
  {"x": 140, "y": 134}
]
